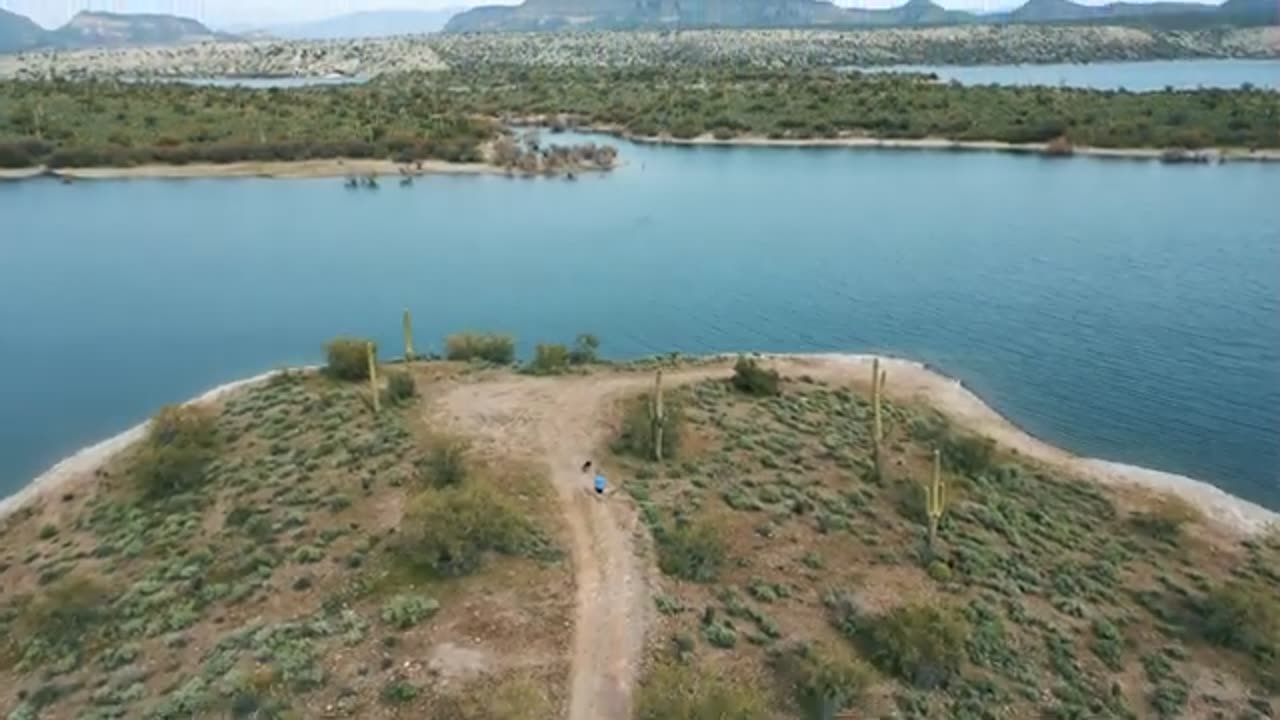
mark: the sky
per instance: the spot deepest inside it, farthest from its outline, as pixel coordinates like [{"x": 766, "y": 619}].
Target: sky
[{"x": 223, "y": 13}]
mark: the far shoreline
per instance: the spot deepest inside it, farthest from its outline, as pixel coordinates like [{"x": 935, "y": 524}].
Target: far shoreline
[
  {"x": 281, "y": 169},
  {"x": 1202, "y": 156},
  {"x": 349, "y": 167},
  {"x": 908, "y": 379}
]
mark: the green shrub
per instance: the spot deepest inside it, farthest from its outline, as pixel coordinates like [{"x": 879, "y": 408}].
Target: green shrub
[
  {"x": 180, "y": 444},
  {"x": 749, "y": 377},
  {"x": 400, "y": 387},
  {"x": 1246, "y": 616},
  {"x": 449, "y": 531},
  {"x": 921, "y": 644},
  {"x": 446, "y": 463},
  {"x": 636, "y": 437},
  {"x": 940, "y": 571},
  {"x": 822, "y": 679},
  {"x": 678, "y": 692},
  {"x": 348, "y": 358},
  {"x": 490, "y": 347},
  {"x": 405, "y": 611},
  {"x": 62, "y": 618},
  {"x": 48, "y": 531},
  {"x": 693, "y": 552},
  {"x": 1165, "y": 518},
  {"x": 967, "y": 454},
  {"x": 720, "y": 634},
  {"x": 585, "y": 349},
  {"x": 399, "y": 692},
  {"x": 549, "y": 359}
]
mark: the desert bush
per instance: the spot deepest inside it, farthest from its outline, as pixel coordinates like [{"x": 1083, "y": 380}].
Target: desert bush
[
  {"x": 676, "y": 692},
  {"x": 967, "y": 454},
  {"x": 1164, "y": 519},
  {"x": 749, "y": 377},
  {"x": 180, "y": 444},
  {"x": 921, "y": 644},
  {"x": 399, "y": 692},
  {"x": 1245, "y": 616},
  {"x": 822, "y": 679},
  {"x": 449, "y": 531},
  {"x": 446, "y": 463},
  {"x": 405, "y": 611},
  {"x": 490, "y": 347},
  {"x": 61, "y": 619},
  {"x": 693, "y": 552},
  {"x": 585, "y": 349},
  {"x": 400, "y": 387},
  {"x": 348, "y": 358},
  {"x": 549, "y": 359},
  {"x": 636, "y": 437}
]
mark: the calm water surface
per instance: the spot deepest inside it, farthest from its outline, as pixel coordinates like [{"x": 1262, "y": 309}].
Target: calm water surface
[
  {"x": 1128, "y": 310},
  {"x": 1136, "y": 76}
]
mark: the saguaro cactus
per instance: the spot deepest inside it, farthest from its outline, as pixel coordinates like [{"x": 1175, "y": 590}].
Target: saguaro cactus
[
  {"x": 408, "y": 336},
  {"x": 658, "y": 416},
  {"x": 373, "y": 376},
  {"x": 877, "y": 425},
  {"x": 935, "y": 498}
]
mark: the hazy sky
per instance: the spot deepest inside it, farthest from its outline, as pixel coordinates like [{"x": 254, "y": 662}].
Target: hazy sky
[{"x": 51, "y": 13}]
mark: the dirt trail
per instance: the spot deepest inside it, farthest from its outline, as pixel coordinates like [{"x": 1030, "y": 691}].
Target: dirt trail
[{"x": 565, "y": 420}]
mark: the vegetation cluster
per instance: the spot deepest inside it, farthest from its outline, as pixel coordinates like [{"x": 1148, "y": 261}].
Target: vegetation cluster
[{"x": 801, "y": 582}]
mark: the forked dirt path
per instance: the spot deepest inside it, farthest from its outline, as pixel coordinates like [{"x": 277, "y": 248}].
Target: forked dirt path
[{"x": 565, "y": 419}]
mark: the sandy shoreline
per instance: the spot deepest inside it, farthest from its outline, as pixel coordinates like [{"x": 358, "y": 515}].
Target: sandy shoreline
[
  {"x": 79, "y": 467},
  {"x": 340, "y": 167},
  {"x": 906, "y": 378},
  {"x": 915, "y": 380},
  {"x": 277, "y": 169},
  {"x": 1210, "y": 154}
]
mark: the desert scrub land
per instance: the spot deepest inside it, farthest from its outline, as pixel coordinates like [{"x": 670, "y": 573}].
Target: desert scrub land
[
  {"x": 458, "y": 116},
  {"x": 818, "y": 104},
  {"x": 285, "y": 553},
  {"x": 797, "y": 582},
  {"x": 113, "y": 124}
]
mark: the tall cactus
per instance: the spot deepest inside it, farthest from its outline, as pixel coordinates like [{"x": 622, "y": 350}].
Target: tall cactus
[
  {"x": 877, "y": 425},
  {"x": 408, "y": 336},
  {"x": 373, "y": 376},
  {"x": 657, "y": 416},
  {"x": 935, "y": 498}
]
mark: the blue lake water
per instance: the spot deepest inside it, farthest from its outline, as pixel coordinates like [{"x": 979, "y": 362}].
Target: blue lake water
[
  {"x": 1128, "y": 310},
  {"x": 1135, "y": 76},
  {"x": 261, "y": 83}
]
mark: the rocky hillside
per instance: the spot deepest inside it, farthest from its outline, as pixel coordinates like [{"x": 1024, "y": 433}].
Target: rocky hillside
[
  {"x": 101, "y": 29},
  {"x": 18, "y": 33},
  {"x": 548, "y": 15}
]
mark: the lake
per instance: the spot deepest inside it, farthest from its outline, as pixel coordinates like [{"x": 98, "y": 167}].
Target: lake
[
  {"x": 259, "y": 83},
  {"x": 1136, "y": 76},
  {"x": 1127, "y": 310}
]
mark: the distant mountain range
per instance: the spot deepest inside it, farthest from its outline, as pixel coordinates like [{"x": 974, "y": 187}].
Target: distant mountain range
[
  {"x": 375, "y": 23},
  {"x": 549, "y": 15},
  {"x": 101, "y": 29}
]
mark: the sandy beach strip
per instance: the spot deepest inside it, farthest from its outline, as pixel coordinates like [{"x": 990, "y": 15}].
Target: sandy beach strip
[
  {"x": 80, "y": 467},
  {"x": 281, "y": 169},
  {"x": 907, "y": 379},
  {"x": 913, "y": 380},
  {"x": 943, "y": 144}
]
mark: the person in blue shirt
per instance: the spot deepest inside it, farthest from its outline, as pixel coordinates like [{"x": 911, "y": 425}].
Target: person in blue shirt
[{"x": 599, "y": 483}]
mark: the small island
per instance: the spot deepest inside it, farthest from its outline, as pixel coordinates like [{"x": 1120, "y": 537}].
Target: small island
[{"x": 778, "y": 534}]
